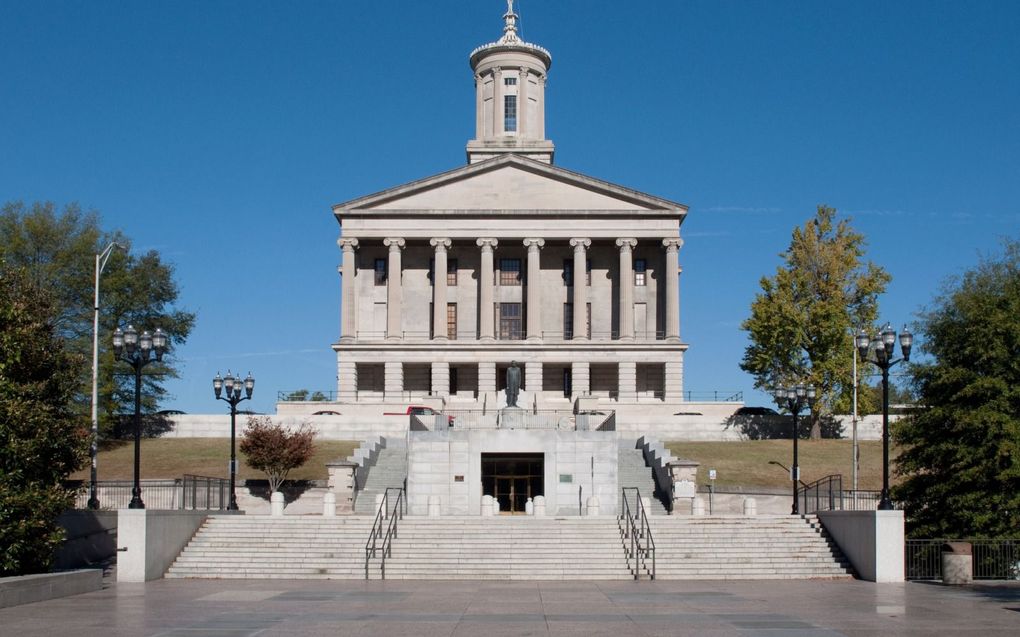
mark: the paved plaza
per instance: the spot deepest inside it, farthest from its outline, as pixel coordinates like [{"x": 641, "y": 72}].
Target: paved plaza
[{"x": 223, "y": 608}]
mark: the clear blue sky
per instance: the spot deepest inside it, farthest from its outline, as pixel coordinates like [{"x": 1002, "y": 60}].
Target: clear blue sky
[{"x": 220, "y": 133}]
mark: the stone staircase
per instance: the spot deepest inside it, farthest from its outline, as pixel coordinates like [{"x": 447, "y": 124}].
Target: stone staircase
[
  {"x": 746, "y": 548},
  {"x": 257, "y": 547},
  {"x": 389, "y": 471},
  {"x": 633, "y": 472},
  {"x": 508, "y": 548}
]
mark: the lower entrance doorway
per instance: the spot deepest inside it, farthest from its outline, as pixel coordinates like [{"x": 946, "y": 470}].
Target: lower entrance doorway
[{"x": 512, "y": 478}]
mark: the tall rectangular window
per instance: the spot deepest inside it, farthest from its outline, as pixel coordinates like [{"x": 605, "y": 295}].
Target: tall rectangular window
[
  {"x": 510, "y": 113},
  {"x": 454, "y": 381},
  {"x": 509, "y": 271},
  {"x": 509, "y": 321},
  {"x": 640, "y": 270},
  {"x": 568, "y": 272},
  {"x": 451, "y": 272},
  {"x": 568, "y": 321},
  {"x": 380, "y": 271},
  {"x": 451, "y": 321}
]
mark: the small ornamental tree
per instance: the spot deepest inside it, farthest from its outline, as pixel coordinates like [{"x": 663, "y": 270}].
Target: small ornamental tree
[{"x": 274, "y": 450}]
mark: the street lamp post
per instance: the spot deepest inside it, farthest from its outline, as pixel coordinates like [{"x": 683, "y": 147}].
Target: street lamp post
[
  {"x": 233, "y": 397},
  {"x": 136, "y": 351},
  {"x": 101, "y": 260},
  {"x": 883, "y": 345},
  {"x": 794, "y": 399}
]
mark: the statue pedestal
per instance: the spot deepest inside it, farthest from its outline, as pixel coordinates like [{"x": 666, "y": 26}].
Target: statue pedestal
[{"x": 512, "y": 418}]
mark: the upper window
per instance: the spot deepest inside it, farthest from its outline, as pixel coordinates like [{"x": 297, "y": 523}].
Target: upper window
[
  {"x": 509, "y": 271},
  {"x": 508, "y": 317},
  {"x": 510, "y": 113},
  {"x": 380, "y": 271},
  {"x": 509, "y": 81},
  {"x": 640, "y": 271},
  {"x": 451, "y": 321},
  {"x": 451, "y": 272}
]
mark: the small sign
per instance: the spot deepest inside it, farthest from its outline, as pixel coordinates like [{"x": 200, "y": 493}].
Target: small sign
[
  {"x": 711, "y": 474},
  {"x": 458, "y": 478},
  {"x": 566, "y": 477}
]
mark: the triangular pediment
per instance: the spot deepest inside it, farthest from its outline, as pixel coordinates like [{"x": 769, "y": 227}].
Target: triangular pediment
[{"x": 508, "y": 182}]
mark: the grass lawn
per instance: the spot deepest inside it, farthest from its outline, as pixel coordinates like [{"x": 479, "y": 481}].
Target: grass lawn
[
  {"x": 173, "y": 457},
  {"x": 746, "y": 463}
]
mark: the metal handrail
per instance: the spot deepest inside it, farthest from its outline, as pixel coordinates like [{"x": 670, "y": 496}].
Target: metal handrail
[
  {"x": 635, "y": 527},
  {"x": 824, "y": 494},
  {"x": 383, "y": 543}
]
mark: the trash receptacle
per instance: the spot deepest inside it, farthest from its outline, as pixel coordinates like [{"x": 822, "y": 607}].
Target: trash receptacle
[{"x": 957, "y": 563}]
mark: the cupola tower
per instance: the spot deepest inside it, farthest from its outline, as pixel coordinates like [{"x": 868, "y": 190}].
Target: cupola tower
[{"x": 510, "y": 76}]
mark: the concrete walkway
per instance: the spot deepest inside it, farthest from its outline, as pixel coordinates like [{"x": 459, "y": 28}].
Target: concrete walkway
[{"x": 267, "y": 608}]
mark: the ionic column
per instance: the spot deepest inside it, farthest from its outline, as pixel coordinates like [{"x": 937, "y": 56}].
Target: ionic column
[
  {"x": 485, "y": 292},
  {"x": 626, "y": 288},
  {"x": 672, "y": 288},
  {"x": 540, "y": 124},
  {"x": 522, "y": 104},
  {"x": 580, "y": 288},
  {"x": 347, "y": 273},
  {"x": 534, "y": 300},
  {"x": 497, "y": 102},
  {"x": 439, "y": 288},
  {"x": 393, "y": 292}
]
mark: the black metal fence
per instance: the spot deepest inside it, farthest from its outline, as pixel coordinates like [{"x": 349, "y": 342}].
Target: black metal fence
[
  {"x": 190, "y": 492},
  {"x": 992, "y": 559},
  {"x": 827, "y": 494}
]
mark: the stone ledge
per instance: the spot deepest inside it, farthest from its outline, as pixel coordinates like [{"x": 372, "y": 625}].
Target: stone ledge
[{"x": 26, "y": 589}]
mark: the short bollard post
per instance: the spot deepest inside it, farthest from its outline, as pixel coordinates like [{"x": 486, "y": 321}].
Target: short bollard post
[
  {"x": 750, "y": 506},
  {"x": 276, "y": 504},
  {"x": 329, "y": 504},
  {"x": 957, "y": 563},
  {"x": 486, "y": 506},
  {"x": 540, "y": 505},
  {"x": 592, "y": 506},
  {"x": 529, "y": 507}
]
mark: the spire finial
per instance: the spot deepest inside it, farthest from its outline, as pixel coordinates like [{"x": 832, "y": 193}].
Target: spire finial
[{"x": 510, "y": 30}]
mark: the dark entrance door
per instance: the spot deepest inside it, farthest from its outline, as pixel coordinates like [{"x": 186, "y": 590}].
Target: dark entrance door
[{"x": 512, "y": 478}]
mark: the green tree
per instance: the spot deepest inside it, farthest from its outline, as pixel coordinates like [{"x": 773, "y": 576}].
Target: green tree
[
  {"x": 274, "y": 450},
  {"x": 298, "y": 395},
  {"x": 42, "y": 435},
  {"x": 960, "y": 453},
  {"x": 57, "y": 251},
  {"x": 801, "y": 321}
]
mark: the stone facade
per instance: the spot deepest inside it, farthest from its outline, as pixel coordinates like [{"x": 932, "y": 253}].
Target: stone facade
[{"x": 447, "y": 280}]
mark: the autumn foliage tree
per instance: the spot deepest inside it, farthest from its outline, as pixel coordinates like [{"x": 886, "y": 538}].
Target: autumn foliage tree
[
  {"x": 274, "y": 449},
  {"x": 42, "y": 436},
  {"x": 801, "y": 321}
]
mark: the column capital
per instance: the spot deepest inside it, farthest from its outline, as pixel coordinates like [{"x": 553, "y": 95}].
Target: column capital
[
  {"x": 487, "y": 243},
  {"x": 394, "y": 243},
  {"x": 672, "y": 244},
  {"x": 440, "y": 243},
  {"x": 347, "y": 244},
  {"x": 579, "y": 244},
  {"x": 534, "y": 243},
  {"x": 626, "y": 244}
]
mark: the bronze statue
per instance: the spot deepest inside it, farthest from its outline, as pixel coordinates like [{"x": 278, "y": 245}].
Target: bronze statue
[{"x": 513, "y": 384}]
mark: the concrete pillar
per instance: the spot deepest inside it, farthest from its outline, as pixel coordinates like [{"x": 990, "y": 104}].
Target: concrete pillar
[
  {"x": 347, "y": 380},
  {"x": 497, "y": 102},
  {"x": 486, "y": 377},
  {"x": 394, "y": 296},
  {"x": 522, "y": 104},
  {"x": 672, "y": 288},
  {"x": 534, "y": 300},
  {"x": 533, "y": 376},
  {"x": 393, "y": 379},
  {"x": 627, "y": 380},
  {"x": 580, "y": 289},
  {"x": 440, "y": 379},
  {"x": 674, "y": 380},
  {"x": 540, "y": 124},
  {"x": 485, "y": 292},
  {"x": 626, "y": 289},
  {"x": 347, "y": 274},
  {"x": 439, "y": 288},
  {"x": 579, "y": 374}
]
